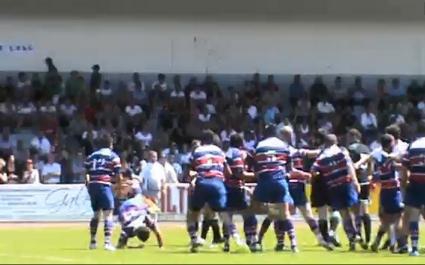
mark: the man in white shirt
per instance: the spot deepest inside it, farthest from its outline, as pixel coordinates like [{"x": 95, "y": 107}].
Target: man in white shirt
[
  {"x": 133, "y": 109},
  {"x": 153, "y": 177},
  {"x": 170, "y": 173},
  {"x": 160, "y": 84},
  {"x": 51, "y": 172},
  {"x": 68, "y": 109},
  {"x": 144, "y": 136},
  {"x": 198, "y": 97},
  {"x": 41, "y": 144}
]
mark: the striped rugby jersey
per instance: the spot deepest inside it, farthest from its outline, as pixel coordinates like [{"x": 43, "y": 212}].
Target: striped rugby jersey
[
  {"x": 385, "y": 171},
  {"x": 297, "y": 159},
  {"x": 235, "y": 158},
  {"x": 414, "y": 160},
  {"x": 332, "y": 164},
  {"x": 133, "y": 209},
  {"x": 102, "y": 166},
  {"x": 208, "y": 161},
  {"x": 272, "y": 158}
]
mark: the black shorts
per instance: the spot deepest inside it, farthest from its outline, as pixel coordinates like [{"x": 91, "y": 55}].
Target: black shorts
[
  {"x": 319, "y": 194},
  {"x": 364, "y": 192}
]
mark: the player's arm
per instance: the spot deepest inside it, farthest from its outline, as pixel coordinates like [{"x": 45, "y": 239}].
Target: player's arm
[
  {"x": 300, "y": 174},
  {"x": 311, "y": 153},
  {"x": 352, "y": 173},
  {"x": 364, "y": 158},
  {"x": 152, "y": 225}
]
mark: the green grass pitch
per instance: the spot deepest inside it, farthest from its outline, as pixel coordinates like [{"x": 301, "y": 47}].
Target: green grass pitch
[{"x": 69, "y": 244}]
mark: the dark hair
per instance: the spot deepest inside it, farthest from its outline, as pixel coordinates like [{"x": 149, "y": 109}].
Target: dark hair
[
  {"x": 356, "y": 134},
  {"x": 236, "y": 140},
  {"x": 269, "y": 131},
  {"x": 386, "y": 140},
  {"x": 142, "y": 233},
  {"x": 394, "y": 130},
  {"x": 207, "y": 137},
  {"x": 105, "y": 141},
  {"x": 331, "y": 139}
]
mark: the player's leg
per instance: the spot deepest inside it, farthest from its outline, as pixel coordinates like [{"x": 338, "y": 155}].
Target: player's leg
[
  {"x": 334, "y": 221},
  {"x": 307, "y": 214},
  {"x": 283, "y": 224},
  {"x": 197, "y": 202},
  {"x": 349, "y": 227},
  {"x": 250, "y": 229},
  {"x": 383, "y": 228},
  {"x": 126, "y": 233},
  {"x": 323, "y": 222},
  {"x": 211, "y": 220},
  {"x": 108, "y": 218},
  {"x": 414, "y": 216},
  {"x": 94, "y": 194}
]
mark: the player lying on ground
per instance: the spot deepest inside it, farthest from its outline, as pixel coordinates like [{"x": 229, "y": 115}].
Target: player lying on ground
[{"x": 135, "y": 220}]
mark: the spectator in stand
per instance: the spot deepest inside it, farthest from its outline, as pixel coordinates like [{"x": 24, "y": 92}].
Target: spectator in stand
[
  {"x": 296, "y": 91},
  {"x": 396, "y": 92},
  {"x": 358, "y": 97},
  {"x": 7, "y": 113},
  {"x": 177, "y": 100},
  {"x": 318, "y": 90},
  {"x": 176, "y": 166},
  {"x": 3, "y": 174},
  {"x": 134, "y": 113},
  {"x": 303, "y": 133},
  {"x": 270, "y": 114},
  {"x": 7, "y": 143},
  {"x": 95, "y": 81},
  {"x": 12, "y": 178},
  {"x": 51, "y": 171},
  {"x": 26, "y": 113},
  {"x": 74, "y": 86},
  {"x": 136, "y": 84},
  {"x": 369, "y": 124},
  {"x": 170, "y": 173},
  {"x": 198, "y": 97},
  {"x": 212, "y": 89},
  {"x": 30, "y": 175},
  {"x": 339, "y": 93},
  {"x": 191, "y": 86},
  {"x": 143, "y": 135},
  {"x": 382, "y": 95},
  {"x": 159, "y": 92},
  {"x": 227, "y": 132},
  {"x": 52, "y": 81},
  {"x": 21, "y": 156},
  {"x": 325, "y": 108},
  {"x": 204, "y": 116},
  {"x": 250, "y": 140},
  {"x": 41, "y": 144},
  {"x": 23, "y": 86},
  {"x": 106, "y": 92},
  {"x": 414, "y": 92},
  {"x": 153, "y": 176},
  {"x": 78, "y": 170},
  {"x": 303, "y": 108},
  {"x": 67, "y": 112},
  {"x": 172, "y": 150},
  {"x": 185, "y": 156}
]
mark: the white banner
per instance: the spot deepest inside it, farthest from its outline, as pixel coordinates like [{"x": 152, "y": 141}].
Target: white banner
[
  {"x": 44, "y": 203},
  {"x": 16, "y": 48}
]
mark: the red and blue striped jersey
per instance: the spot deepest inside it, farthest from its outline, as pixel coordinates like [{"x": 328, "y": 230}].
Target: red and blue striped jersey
[
  {"x": 102, "y": 166},
  {"x": 297, "y": 159},
  {"x": 385, "y": 170},
  {"x": 272, "y": 158},
  {"x": 235, "y": 158},
  {"x": 414, "y": 160},
  {"x": 332, "y": 165},
  {"x": 208, "y": 161}
]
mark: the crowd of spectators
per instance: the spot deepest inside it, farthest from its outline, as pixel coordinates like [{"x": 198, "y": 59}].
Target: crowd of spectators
[{"x": 65, "y": 117}]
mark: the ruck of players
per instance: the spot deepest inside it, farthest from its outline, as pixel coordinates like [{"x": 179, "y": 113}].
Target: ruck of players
[{"x": 341, "y": 172}]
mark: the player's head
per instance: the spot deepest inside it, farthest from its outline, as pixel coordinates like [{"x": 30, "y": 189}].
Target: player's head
[
  {"x": 394, "y": 130},
  {"x": 285, "y": 133},
  {"x": 142, "y": 233},
  {"x": 354, "y": 136},
  {"x": 387, "y": 142},
  {"x": 106, "y": 141},
  {"x": 330, "y": 139},
  {"x": 270, "y": 131},
  {"x": 207, "y": 137},
  {"x": 236, "y": 140},
  {"x": 195, "y": 144}
]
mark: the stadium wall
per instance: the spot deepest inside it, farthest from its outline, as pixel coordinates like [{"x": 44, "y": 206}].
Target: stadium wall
[{"x": 235, "y": 36}]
